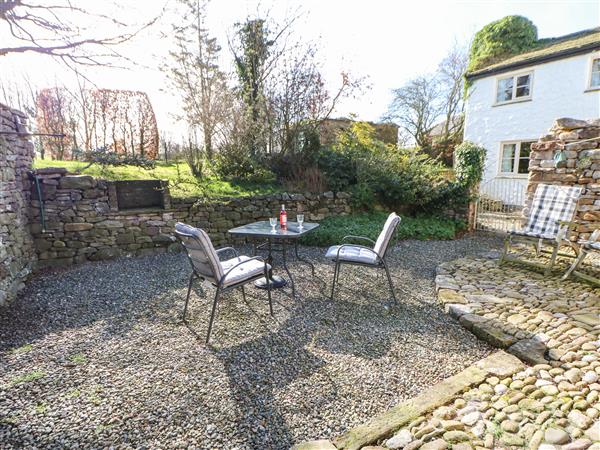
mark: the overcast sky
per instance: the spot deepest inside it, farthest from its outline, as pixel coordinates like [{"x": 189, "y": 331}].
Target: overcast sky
[{"x": 387, "y": 41}]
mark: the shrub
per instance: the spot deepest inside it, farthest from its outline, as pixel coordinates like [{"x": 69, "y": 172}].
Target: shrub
[
  {"x": 235, "y": 163},
  {"x": 500, "y": 39},
  {"x": 377, "y": 173},
  {"x": 334, "y": 228}
]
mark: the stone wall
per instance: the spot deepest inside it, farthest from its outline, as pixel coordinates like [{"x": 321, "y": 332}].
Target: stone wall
[
  {"x": 82, "y": 220},
  {"x": 580, "y": 141},
  {"x": 16, "y": 250}
]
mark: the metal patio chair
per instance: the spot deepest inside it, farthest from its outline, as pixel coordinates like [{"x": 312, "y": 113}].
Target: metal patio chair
[
  {"x": 361, "y": 255},
  {"x": 224, "y": 275},
  {"x": 550, "y": 222},
  {"x": 586, "y": 246}
]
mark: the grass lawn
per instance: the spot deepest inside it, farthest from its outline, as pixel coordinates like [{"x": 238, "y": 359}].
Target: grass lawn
[
  {"x": 333, "y": 229},
  {"x": 181, "y": 181}
]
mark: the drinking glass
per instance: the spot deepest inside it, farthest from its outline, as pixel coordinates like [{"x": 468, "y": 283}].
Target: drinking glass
[
  {"x": 273, "y": 222},
  {"x": 300, "y": 219}
]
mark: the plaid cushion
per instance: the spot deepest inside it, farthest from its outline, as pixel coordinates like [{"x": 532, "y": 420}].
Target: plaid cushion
[{"x": 551, "y": 205}]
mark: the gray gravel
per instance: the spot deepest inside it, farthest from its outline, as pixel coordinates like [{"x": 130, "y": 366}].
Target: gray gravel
[{"x": 95, "y": 356}]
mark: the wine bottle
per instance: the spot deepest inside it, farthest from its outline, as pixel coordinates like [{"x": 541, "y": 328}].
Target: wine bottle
[{"x": 283, "y": 218}]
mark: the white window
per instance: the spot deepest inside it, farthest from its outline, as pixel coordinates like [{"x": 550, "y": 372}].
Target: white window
[
  {"x": 514, "y": 88},
  {"x": 514, "y": 157},
  {"x": 595, "y": 73}
]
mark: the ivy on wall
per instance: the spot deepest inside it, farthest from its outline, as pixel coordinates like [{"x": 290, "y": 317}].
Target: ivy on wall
[{"x": 470, "y": 160}]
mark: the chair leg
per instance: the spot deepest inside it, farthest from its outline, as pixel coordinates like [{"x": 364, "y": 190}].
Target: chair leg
[
  {"x": 336, "y": 271},
  {"x": 538, "y": 248},
  {"x": 552, "y": 260},
  {"x": 187, "y": 299},
  {"x": 212, "y": 314},
  {"x": 269, "y": 291},
  {"x": 243, "y": 294},
  {"x": 575, "y": 264},
  {"x": 387, "y": 272}
]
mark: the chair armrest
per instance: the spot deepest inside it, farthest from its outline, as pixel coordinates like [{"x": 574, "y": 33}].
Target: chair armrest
[
  {"x": 220, "y": 250},
  {"x": 364, "y": 238},
  {"x": 337, "y": 256},
  {"x": 260, "y": 258}
]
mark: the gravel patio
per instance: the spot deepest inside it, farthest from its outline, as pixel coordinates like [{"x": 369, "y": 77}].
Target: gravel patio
[{"x": 95, "y": 356}]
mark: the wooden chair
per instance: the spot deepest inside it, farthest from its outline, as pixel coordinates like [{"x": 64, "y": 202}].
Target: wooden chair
[
  {"x": 585, "y": 247},
  {"x": 550, "y": 221}
]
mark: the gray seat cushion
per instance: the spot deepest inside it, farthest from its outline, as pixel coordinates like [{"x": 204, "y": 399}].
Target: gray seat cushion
[
  {"x": 242, "y": 272},
  {"x": 352, "y": 253}
]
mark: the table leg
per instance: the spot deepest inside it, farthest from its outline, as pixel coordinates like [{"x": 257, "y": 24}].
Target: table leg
[
  {"x": 286, "y": 268},
  {"x": 274, "y": 280},
  {"x": 312, "y": 267}
]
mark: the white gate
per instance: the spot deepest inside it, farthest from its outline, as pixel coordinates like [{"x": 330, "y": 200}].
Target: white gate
[{"x": 500, "y": 204}]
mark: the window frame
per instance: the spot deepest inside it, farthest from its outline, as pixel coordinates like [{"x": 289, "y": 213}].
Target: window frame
[
  {"x": 514, "y": 77},
  {"x": 515, "y": 170},
  {"x": 590, "y": 87}
]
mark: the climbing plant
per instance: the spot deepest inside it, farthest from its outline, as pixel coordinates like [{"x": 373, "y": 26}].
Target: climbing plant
[{"x": 468, "y": 167}]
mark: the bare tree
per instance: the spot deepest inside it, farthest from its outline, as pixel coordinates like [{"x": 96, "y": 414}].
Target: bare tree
[
  {"x": 65, "y": 31},
  {"x": 416, "y": 106},
  {"x": 195, "y": 73},
  {"x": 451, "y": 74}
]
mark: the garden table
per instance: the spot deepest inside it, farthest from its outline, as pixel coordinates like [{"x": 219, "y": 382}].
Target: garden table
[{"x": 262, "y": 231}]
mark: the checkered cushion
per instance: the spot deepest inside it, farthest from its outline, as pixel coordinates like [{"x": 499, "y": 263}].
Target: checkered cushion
[
  {"x": 551, "y": 205},
  {"x": 352, "y": 253}
]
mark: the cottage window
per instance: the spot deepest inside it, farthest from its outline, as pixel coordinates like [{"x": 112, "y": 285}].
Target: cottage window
[
  {"x": 513, "y": 88},
  {"x": 595, "y": 75},
  {"x": 514, "y": 159}
]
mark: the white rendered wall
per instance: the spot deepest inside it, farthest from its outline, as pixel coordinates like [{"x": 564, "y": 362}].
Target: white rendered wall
[{"x": 558, "y": 90}]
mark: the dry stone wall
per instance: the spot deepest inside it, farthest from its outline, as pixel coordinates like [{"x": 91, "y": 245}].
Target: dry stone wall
[
  {"x": 580, "y": 141},
  {"x": 16, "y": 250},
  {"x": 82, "y": 221}
]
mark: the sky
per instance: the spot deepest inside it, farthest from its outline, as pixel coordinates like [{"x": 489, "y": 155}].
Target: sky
[{"x": 388, "y": 42}]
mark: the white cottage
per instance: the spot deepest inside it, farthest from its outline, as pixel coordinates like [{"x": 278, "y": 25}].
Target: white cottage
[{"x": 512, "y": 103}]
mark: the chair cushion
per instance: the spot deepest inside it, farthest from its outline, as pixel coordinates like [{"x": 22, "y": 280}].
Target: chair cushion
[
  {"x": 244, "y": 271},
  {"x": 384, "y": 238},
  {"x": 352, "y": 253},
  {"x": 551, "y": 205}
]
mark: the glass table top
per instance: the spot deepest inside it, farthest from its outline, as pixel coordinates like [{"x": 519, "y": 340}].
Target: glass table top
[{"x": 263, "y": 229}]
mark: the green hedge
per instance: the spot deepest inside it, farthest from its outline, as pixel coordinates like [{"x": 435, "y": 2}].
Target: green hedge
[{"x": 333, "y": 229}]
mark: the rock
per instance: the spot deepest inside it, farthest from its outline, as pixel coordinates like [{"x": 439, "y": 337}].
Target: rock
[
  {"x": 76, "y": 182},
  {"x": 593, "y": 432},
  {"x": 400, "y": 439},
  {"x": 78, "y": 226},
  {"x": 510, "y": 426},
  {"x": 455, "y": 436},
  {"x": 579, "y": 444},
  {"x": 549, "y": 389},
  {"x": 556, "y": 436},
  {"x": 530, "y": 351},
  {"x": 315, "y": 445},
  {"x": 536, "y": 440},
  {"x": 471, "y": 418},
  {"x": 567, "y": 123},
  {"x": 590, "y": 377},
  {"x": 462, "y": 446},
  {"x": 438, "y": 444},
  {"x": 510, "y": 439},
  {"x": 578, "y": 419}
]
